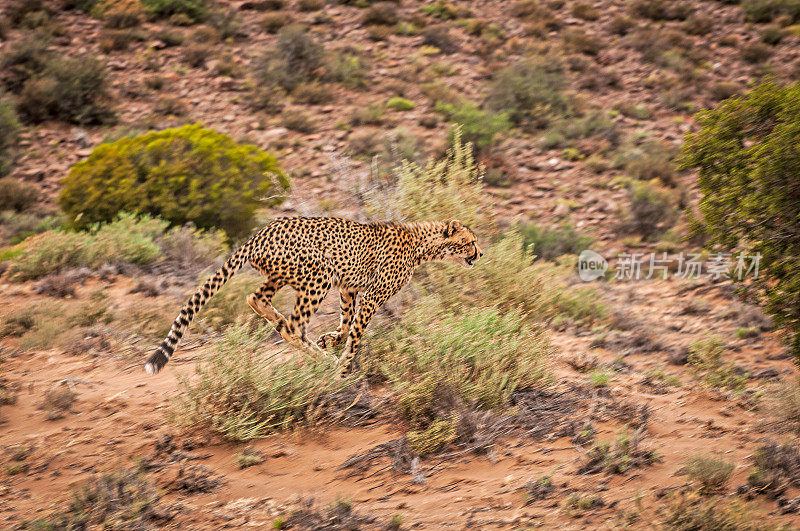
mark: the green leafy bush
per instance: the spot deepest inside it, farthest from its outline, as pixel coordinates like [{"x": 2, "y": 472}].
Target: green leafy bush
[
  {"x": 747, "y": 153},
  {"x": 477, "y": 126},
  {"x": 240, "y": 395},
  {"x": 531, "y": 91},
  {"x": 400, "y": 104},
  {"x": 181, "y": 175},
  {"x": 127, "y": 240},
  {"x": 9, "y": 133},
  {"x": 194, "y": 9},
  {"x": 72, "y": 90}
]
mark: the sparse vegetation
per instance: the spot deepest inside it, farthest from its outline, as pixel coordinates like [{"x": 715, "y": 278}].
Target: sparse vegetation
[
  {"x": 296, "y": 58},
  {"x": 145, "y": 174},
  {"x": 626, "y": 453},
  {"x": 689, "y": 511},
  {"x": 705, "y": 356},
  {"x": 710, "y": 473},
  {"x": 9, "y": 134},
  {"x": 531, "y": 91}
]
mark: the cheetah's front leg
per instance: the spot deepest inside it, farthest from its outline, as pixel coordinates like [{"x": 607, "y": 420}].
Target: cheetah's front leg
[{"x": 366, "y": 310}]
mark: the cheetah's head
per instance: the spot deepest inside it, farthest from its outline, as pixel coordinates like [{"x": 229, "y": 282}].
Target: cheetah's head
[{"x": 460, "y": 245}]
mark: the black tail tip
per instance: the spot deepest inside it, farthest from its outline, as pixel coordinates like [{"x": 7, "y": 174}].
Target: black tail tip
[{"x": 156, "y": 362}]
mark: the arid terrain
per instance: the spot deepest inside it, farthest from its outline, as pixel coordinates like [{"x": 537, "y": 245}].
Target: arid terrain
[{"x": 662, "y": 396}]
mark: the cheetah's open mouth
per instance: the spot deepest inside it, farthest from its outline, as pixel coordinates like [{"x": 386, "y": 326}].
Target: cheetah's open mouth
[{"x": 471, "y": 260}]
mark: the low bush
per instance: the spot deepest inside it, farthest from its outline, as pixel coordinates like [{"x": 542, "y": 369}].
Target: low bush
[
  {"x": 382, "y": 13},
  {"x": 238, "y": 394},
  {"x": 349, "y": 68},
  {"x": 585, "y": 10},
  {"x": 776, "y": 468},
  {"x": 705, "y": 357},
  {"x": 313, "y": 93},
  {"x": 17, "y": 195},
  {"x": 16, "y": 226},
  {"x": 531, "y": 91},
  {"x": 120, "y": 13},
  {"x": 296, "y": 58},
  {"x": 661, "y": 9},
  {"x": 72, "y": 90},
  {"x": 648, "y": 161},
  {"x": 195, "y": 54},
  {"x": 195, "y": 10},
  {"x": 652, "y": 209},
  {"x": 23, "y": 60},
  {"x": 548, "y": 243},
  {"x": 127, "y": 240},
  {"x": 273, "y": 22},
  {"x": 710, "y": 473},
  {"x": 439, "y": 37},
  {"x": 440, "y": 367},
  {"x": 786, "y": 405},
  {"x": 582, "y": 42},
  {"x": 121, "y": 499},
  {"x": 772, "y": 35},
  {"x": 148, "y": 174},
  {"x": 689, "y": 511},
  {"x": 477, "y": 126},
  {"x": 400, "y": 104},
  {"x": 756, "y": 52},
  {"x": 626, "y": 453},
  {"x": 298, "y": 120},
  {"x": 768, "y": 10},
  {"x": 226, "y": 21}
]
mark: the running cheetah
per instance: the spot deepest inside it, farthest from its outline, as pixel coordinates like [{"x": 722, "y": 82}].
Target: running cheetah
[{"x": 313, "y": 254}]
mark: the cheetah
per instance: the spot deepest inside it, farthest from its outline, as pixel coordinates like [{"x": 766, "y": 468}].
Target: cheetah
[{"x": 312, "y": 255}]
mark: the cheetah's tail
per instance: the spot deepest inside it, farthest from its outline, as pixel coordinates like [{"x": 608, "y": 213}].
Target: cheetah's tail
[{"x": 161, "y": 356}]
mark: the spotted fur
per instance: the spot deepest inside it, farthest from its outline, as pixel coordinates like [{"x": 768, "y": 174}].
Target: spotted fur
[{"x": 374, "y": 260}]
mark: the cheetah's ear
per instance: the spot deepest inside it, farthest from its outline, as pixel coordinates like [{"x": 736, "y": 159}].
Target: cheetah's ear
[{"x": 452, "y": 227}]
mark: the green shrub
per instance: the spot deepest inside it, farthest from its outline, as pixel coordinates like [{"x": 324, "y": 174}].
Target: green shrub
[
  {"x": 585, "y": 10},
  {"x": 9, "y": 134},
  {"x": 652, "y": 210},
  {"x": 181, "y": 175},
  {"x": 240, "y": 395},
  {"x": 531, "y": 91},
  {"x": 400, "y": 104},
  {"x": 196, "y": 10},
  {"x": 477, "y": 126},
  {"x": 705, "y": 357},
  {"x": 296, "y": 58},
  {"x": 768, "y": 10},
  {"x": 23, "y": 60},
  {"x": 756, "y": 52},
  {"x": 710, "y": 473},
  {"x": 273, "y": 22},
  {"x": 582, "y": 42},
  {"x": 127, "y": 240},
  {"x": 382, "y": 13},
  {"x": 298, "y": 120},
  {"x": 548, "y": 243},
  {"x": 350, "y": 69},
  {"x": 746, "y": 152},
  {"x": 772, "y": 35},
  {"x": 17, "y": 195},
  {"x": 483, "y": 355},
  {"x": 15, "y": 227},
  {"x": 72, "y": 90},
  {"x": 120, "y": 13},
  {"x": 647, "y": 161},
  {"x": 661, "y": 9}
]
